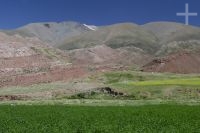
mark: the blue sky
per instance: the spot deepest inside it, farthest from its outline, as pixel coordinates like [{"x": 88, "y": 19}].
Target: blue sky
[{"x": 15, "y": 13}]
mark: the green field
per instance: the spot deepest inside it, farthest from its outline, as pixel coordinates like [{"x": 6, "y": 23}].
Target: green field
[
  {"x": 154, "y": 103},
  {"x": 178, "y": 82},
  {"x": 85, "y": 119}
]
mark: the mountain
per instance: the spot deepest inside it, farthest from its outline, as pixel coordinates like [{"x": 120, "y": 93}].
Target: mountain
[
  {"x": 174, "y": 37},
  {"x": 138, "y": 44},
  {"x": 112, "y": 45},
  {"x": 114, "y": 36},
  {"x": 117, "y": 46},
  {"x": 51, "y": 32},
  {"x": 179, "y": 51},
  {"x": 28, "y": 60}
]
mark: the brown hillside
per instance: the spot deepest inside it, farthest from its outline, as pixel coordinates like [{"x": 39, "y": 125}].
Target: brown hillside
[
  {"x": 183, "y": 62},
  {"x": 27, "y": 61}
]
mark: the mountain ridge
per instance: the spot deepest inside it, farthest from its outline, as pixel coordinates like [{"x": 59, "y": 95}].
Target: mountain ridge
[{"x": 118, "y": 44}]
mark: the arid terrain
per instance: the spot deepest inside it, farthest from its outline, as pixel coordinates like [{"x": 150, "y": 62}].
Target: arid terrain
[{"x": 62, "y": 57}]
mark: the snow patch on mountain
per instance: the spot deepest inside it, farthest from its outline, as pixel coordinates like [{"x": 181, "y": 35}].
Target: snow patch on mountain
[{"x": 91, "y": 27}]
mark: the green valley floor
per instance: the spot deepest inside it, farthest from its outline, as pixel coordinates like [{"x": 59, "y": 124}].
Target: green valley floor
[{"x": 109, "y": 119}]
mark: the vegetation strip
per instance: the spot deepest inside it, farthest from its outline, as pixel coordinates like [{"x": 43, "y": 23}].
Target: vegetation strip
[{"x": 74, "y": 119}]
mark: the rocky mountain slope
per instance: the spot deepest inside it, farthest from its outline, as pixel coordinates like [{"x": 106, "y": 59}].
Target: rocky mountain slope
[
  {"x": 112, "y": 45},
  {"x": 51, "y": 32},
  {"x": 133, "y": 44},
  {"x": 114, "y": 36},
  {"x": 179, "y": 51},
  {"x": 117, "y": 46},
  {"x": 182, "y": 62},
  {"x": 174, "y": 37},
  {"x": 25, "y": 61}
]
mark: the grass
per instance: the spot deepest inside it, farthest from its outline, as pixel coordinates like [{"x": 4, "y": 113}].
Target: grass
[
  {"x": 137, "y": 86},
  {"x": 33, "y": 88},
  {"x": 149, "y": 86},
  {"x": 74, "y": 119},
  {"x": 155, "y": 103},
  {"x": 178, "y": 82},
  {"x": 101, "y": 102},
  {"x": 114, "y": 77}
]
